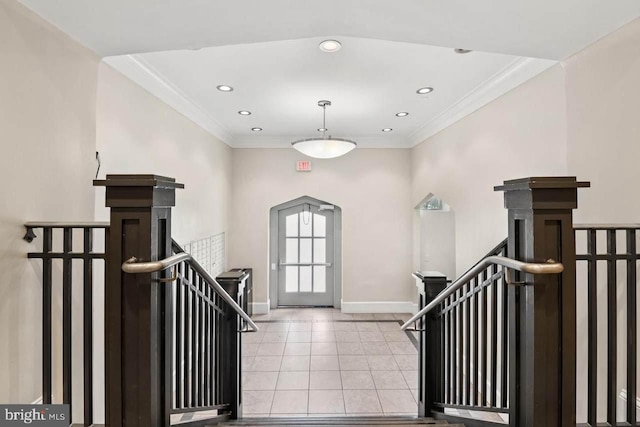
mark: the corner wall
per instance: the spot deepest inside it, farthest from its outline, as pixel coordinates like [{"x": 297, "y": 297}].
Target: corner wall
[
  {"x": 47, "y": 117},
  {"x": 578, "y": 118},
  {"x": 56, "y": 100},
  {"x": 522, "y": 133},
  {"x": 138, "y": 133}
]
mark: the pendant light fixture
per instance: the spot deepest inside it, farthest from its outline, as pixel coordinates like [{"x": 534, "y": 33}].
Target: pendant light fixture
[{"x": 324, "y": 147}]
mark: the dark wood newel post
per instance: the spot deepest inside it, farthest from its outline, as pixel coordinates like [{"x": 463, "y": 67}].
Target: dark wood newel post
[
  {"x": 542, "y": 308},
  {"x": 231, "y": 342},
  {"x": 430, "y": 376},
  {"x": 137, "y": 306}
]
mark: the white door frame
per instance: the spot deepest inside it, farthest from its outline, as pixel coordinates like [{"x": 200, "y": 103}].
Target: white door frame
[{"x": 273, "y": 248}]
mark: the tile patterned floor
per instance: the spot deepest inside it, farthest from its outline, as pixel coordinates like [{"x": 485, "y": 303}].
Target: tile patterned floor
[{"x": 320, "y": 362}]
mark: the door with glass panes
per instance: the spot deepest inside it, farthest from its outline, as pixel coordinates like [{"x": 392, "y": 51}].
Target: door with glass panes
[{"x": 305, "y": 256}]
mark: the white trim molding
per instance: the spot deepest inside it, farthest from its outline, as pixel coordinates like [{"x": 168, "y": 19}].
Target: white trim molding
[
  {"x": 284, "y": 142},
  {"x": 510, "y": 77},
  {"x": 145, "y": 75},
  {"x": 260, "y": 307},
  {"x": 379, "y": 307}
]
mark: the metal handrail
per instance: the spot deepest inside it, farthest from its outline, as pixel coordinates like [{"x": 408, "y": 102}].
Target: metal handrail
[
  {"x": 133, "y": 266},
  {"x": 550, "y": 267}
]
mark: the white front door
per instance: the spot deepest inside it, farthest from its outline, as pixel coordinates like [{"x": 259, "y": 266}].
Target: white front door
[{"x": 305, "y": 256}]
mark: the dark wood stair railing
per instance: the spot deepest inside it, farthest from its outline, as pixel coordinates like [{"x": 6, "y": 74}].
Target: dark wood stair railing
[
  {"x": 491, "y": 347},
  {"x": 607, "y": 257},
  {"x": 61, "y": 244},
  {"x": 205, "y": 345},
  {"x": 463, "y": 352},
  {"x": 172, "y": 342},
  {"x": 505, "y": 350},
  {"x": 466, "y": 363}
]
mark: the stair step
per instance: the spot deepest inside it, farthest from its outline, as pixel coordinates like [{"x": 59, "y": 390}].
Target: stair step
[{"x": 335, "y": 422}]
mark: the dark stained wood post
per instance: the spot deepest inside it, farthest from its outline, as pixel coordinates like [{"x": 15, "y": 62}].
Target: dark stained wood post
[
  {"x": 234, "y": 283},
  {"x": 137, "y": 306},
  {"x": 430, "y": 384},
  {"x": 542, "y": 308}
]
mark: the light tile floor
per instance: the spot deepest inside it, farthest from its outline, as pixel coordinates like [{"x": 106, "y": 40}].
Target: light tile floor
[{"x": 321, "y": 362}]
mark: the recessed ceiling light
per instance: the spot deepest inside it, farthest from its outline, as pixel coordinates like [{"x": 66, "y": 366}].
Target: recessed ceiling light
[
  {"x": 244, "y": 113},
  {"x": 402, "y": 114},
  {"x": 330, "y": 46},
  {"x": 256, "y": 129},
  {"x": 462, "y": 51},
  {"x": 387, "y": 130},
  {"x": 322, "y": 129},
  {"x": 424, "y": 90},
  {"x": 225, "y": 88}
]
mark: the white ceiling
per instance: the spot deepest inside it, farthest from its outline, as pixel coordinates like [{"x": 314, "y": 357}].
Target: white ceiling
[
  {"x": 551, "y": 29},
  {"x": 268, "y": 51},
  {"x": 368, "y": 82}
]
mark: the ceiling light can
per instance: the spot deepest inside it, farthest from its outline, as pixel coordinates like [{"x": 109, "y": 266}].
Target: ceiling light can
[
  {"x": 402, "y": 114},
  {"x": 244, "y": 113},
  {"x": 256, "y": 129},
  {"x": 330, "y": 46},
  {"x": 424, "y": 90},
  {"x": 224, "y": 88},
  {"x": 387, "y": 130}
]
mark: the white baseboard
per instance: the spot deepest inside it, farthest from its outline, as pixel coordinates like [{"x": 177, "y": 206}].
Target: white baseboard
[
  {"x": 356, "y": 307},
  {"x": 379, "y": 307},
  {"x": 260, "y": 307}
]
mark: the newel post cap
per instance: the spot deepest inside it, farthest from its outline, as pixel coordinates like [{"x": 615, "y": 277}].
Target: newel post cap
[
  {"x": 139, "y": 190},
  {"x": 156, "y": 181},
  {"x": 553, "y": 192}
]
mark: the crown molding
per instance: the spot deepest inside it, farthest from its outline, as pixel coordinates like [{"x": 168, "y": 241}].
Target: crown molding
[
  {"x": 511, "y": 76},
  {"x": 145, "y": 75},
  {"x": 285, "y": 142}
]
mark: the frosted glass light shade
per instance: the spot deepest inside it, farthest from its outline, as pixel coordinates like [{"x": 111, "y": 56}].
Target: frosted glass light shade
[{"x": 324, "y": 148}]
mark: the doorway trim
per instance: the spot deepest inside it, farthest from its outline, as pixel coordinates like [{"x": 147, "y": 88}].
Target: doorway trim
[{"x": 273, "y": 247}]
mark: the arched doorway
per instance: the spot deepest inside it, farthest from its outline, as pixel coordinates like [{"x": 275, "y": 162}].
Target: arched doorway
[{"x": 305, "y": 254}]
